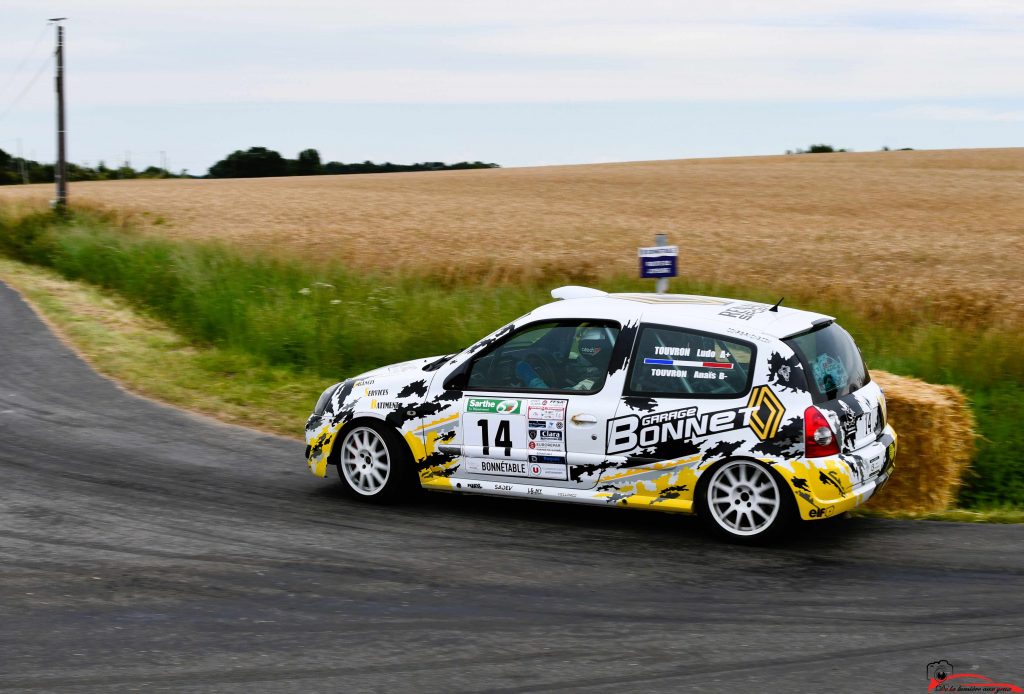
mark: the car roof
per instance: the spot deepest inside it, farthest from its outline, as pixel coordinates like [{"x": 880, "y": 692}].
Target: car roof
[{"x": 710, "y": 313}]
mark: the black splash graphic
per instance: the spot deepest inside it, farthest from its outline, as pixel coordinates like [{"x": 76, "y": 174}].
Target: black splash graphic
[
  {"x": 578, "y": 472},
  {"x": 438, "y": 363},
  {"x": 722, "y": 449},
  {"x": 829, "y": 480},
  {"x": 857, "y": 465},
  {"x": 788, "y": 442},
  {"x": 318, "y": 445},
  {"x": 788, "y": 374},
  {"x": 343, "y": 415},
  {"x": 414, "y": 388},
  {"x": 671, "y": 493},
  {"x": 416, "y": 410},
  {"x": 799, "y": 483},
  {"x": 641, "y": 404},
  {"x": 435, "y": 459},
  {"x": 487, "y": 341},
  {"x": 446, "y": 472},
  {"x": 666, "y": 450},
  {"x": 623, "y": 347},
  {"x": 448, "y": 435}
]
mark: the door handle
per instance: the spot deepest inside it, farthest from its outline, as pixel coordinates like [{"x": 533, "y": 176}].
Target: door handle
[{"x": 584, "y": 419}]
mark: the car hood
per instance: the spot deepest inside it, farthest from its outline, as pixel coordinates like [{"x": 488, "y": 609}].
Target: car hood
[{"x": 405, "y": 367}]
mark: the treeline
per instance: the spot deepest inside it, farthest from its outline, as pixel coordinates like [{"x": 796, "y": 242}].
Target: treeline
[
  {"x": 257, "y": 162},
  {"x": 18, "y": 170},
  {"x": 826, "y": 149}
]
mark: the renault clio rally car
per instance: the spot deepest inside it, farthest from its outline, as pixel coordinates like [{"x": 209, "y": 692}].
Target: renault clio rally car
[{"x": 748, "y": 414}]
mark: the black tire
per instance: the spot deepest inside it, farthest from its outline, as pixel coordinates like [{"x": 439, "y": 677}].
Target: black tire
[
  {"x": 374, "y": 463},
  {"x": 745, "y": 502}
]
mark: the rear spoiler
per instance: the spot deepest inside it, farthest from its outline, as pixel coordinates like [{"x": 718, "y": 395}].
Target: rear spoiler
[
  {"x": 573, "y": 291},
  {"x": 816, "y": 324}
]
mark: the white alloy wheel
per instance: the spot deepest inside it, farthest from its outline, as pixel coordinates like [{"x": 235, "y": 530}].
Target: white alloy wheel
[
  {"x": 365, "y": 461},
  {"x": 743, "y": 498}
]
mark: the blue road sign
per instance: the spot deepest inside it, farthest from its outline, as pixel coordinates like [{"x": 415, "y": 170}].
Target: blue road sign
[{"x": 658, "y": 261}]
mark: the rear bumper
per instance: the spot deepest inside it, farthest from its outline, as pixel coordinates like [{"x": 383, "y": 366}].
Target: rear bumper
[{"x": 826, "y": 487}]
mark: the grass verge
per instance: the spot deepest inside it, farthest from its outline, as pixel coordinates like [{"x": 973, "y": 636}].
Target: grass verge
[{"x": 270, "y": 332}]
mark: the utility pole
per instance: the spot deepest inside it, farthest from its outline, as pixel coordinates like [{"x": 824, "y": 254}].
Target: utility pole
[
  {"x": 60, "y": 172},
  {"x": 21, "y": 162}
]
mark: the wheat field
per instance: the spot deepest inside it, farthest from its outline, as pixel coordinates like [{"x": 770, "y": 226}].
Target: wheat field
[{"x": 887, "y": 230}]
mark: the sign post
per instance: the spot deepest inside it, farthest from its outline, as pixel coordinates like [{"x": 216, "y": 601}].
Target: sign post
[{"x": 659, "y": 262}]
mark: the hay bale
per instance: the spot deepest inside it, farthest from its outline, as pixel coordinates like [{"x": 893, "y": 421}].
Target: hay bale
[{"x": 936, "y": 440}]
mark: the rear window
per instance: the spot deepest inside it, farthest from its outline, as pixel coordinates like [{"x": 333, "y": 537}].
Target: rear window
[{"x": 834, "y": 365}]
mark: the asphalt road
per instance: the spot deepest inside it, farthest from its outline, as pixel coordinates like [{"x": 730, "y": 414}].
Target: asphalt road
[{"x": 142, "y": 548}]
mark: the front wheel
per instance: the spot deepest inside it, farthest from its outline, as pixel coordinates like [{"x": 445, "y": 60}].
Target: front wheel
[
  {"x": 745, "y": 502},
  {"x": 373, "y": 463}
]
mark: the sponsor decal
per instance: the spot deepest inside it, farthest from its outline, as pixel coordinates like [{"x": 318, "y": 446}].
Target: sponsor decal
[
  {"x": 744, "y": 311},
  {"x": 546, "y": 409},
  {"x": 554, "y": 459},
  {"x": 535, "y": 490},
  {"x": 548, "y": 472},
  {"x": 533, "y": 434},
  {"x": 494, "y": 406},
  {"x": 546, "y": 413},
  {"x": 747, "y": 335},
  {"x": 363, "y": 382},
  {"x": 550, "y": 435},
  {"x": 548, "y": 467},
  {"x": 569, "y": 494},
  {"x": 475, "y": 485},
  {"x": 768, "y": 412},
  {"x": 630, "y": 432},
  {"x": 507, "y": 468},
  {"x": 376, "y": 393},
  {"x": 503, "y": 487},
  {"x": 943, "y": 678},
  {"x": 821, "y": 512},
  {"x": 384, "y": 405},
  {"x": 552, "y": 446},
  {"x": 538, "y": 424}
]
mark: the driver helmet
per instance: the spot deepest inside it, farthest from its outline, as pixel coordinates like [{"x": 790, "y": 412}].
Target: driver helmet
[{"x": 594, "y": 343}]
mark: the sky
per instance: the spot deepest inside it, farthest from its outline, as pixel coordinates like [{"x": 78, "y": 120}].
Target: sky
[{"x": 519, "y": 83}]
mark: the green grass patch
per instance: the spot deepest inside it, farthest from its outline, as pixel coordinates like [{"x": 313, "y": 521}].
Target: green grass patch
[{"x": 323, "y": 322}]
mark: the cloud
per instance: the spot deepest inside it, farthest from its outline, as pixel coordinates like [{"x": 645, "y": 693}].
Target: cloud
[{"x": 485, "y": 51}]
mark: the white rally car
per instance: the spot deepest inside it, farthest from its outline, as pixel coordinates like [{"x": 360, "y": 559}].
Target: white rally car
[{"x": 749, "y": 414}]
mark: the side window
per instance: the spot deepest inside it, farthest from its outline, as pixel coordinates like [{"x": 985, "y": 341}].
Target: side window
[
  {"x": 549, "y": 357},
  {"x": 673, "y": 362}
]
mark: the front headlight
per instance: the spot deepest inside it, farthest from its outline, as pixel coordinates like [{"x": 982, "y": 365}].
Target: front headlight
[{"x": 325, "y": 398}]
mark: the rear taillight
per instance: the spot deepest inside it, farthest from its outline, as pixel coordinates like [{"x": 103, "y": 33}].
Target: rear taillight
[{"x": 819, "y": 439}]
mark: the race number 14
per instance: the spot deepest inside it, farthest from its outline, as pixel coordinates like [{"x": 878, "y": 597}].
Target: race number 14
[{"x": 502, "y": 436}]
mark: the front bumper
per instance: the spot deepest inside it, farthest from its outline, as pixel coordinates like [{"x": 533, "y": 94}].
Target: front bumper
[{"x": 320, "y": 437}]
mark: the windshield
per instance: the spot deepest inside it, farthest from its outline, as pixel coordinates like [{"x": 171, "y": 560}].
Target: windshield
[{"x": 833, "y": 362}]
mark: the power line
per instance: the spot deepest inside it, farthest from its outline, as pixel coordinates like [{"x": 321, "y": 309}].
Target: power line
[
  {"x": 24, "y": 61},
  {"x": 24, "y": 91}
]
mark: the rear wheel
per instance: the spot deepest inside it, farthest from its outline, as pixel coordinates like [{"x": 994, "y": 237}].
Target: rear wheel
[
  {"x": 745, "y": 502},
  {"x": 374, "y": 463}
]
